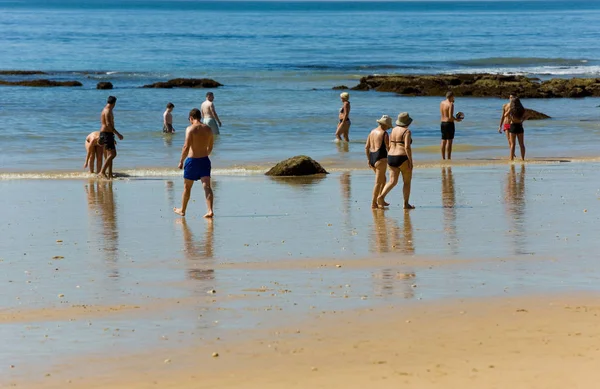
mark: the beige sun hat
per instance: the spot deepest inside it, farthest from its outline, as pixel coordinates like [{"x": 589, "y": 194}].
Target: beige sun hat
[
  {"x": 386, "y": 121},
  {"x": 404, "y": 120}
]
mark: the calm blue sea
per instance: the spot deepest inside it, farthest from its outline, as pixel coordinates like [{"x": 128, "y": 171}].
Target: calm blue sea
[{"x": 278, "y": 62}]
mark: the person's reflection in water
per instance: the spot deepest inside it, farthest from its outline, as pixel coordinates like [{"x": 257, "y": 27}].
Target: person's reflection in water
[
  {"x": 197, "y": 254},
  {"x": 343, "y": 147},
  {"x": 168, "y": 139},
  {"x": 170, "y": 193},
  {"x": 515, "y": 207},
  {"x": 101, "y": 201},
  {"x": 388, "y": 237},
  {"x": 449, "y": 204}
]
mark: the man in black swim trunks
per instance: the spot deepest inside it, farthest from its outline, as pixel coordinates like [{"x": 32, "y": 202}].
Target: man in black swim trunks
[
  {"x": 447, "y": 125},
  {"x": 107, "y": 136}
]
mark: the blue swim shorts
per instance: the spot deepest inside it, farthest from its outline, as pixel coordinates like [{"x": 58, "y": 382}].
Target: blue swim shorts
[{"x": 196, "y": 168}]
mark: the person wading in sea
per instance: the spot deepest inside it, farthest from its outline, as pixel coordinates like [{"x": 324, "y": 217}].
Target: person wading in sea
[
  {"x": 107, "y": 136},
  {"x": 199, "y": 141},
  {"x": 209, "y": 114}
]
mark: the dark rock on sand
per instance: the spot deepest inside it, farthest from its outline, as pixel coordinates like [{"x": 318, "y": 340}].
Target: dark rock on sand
[
  {"x": 340, "y": 87},
  {"x": 481, "y": 85},
  {"x": 535, "y": 115},
  {"x": 104, "y": 85},
  {"x": 20, "y": 72},
  {"x": 41, "y": 83},
  {"x": 186, "y": 83},
  {"x": 300, "y": 165}
]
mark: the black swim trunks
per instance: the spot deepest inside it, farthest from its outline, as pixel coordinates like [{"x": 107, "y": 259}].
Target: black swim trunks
[
  {"x": 447, "y": 130},
  {"x": 516, "y": 128},
  {"x": 107, "y": 139}
]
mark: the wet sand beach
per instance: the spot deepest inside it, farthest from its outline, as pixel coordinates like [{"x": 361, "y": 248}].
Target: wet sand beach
[{"x": 105, "y": 286}]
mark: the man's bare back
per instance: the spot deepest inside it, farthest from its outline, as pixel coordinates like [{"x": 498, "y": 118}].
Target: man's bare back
[
  {"x": 199, "y": 140},
  {"x": 447, "y": 111}
]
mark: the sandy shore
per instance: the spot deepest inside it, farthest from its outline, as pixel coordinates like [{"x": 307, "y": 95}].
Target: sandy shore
[
  {"x": 533, "y": 342},
  {"x": 103, "y": 283}
]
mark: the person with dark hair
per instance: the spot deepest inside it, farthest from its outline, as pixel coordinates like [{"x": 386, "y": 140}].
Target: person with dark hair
[
  {"x": 197, "y": 147},
  {"x": 168, "y": 119},
  {"x": 517, "y": 114},
  {"x": 107, "y": 136},
  {"x": 447, "y": 125},
  {"x": 209, "y": 114}
]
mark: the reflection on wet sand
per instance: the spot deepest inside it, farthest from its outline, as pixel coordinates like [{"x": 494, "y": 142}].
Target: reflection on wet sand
[
  {"x": 388, "y": 237},
  {"x": 170, "y": 193},
  {"x": 449, "y": 204},
  {"x": 197, "y": 253},
  {"x": 515, "y": 208},
  {"x": 101, "y": 202}
]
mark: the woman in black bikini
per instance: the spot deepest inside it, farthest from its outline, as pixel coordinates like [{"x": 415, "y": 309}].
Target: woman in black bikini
[
  {"x": 376, "y": 149},
  {"x": 399, "y": 160},
  {"x": 517, "y": 115},
  {"x": 343, "y": 127}
]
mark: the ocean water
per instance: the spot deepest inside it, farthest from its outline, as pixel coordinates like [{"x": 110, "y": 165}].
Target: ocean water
[{"x": 278, "y": 62}]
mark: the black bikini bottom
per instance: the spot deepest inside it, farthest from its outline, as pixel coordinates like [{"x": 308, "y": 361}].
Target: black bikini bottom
[{"x": 397, "y": 160}]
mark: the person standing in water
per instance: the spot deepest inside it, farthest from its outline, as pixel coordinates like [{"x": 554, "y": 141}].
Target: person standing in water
[
  {"x": 376, "y": 148},
  {"x": 198, "y": 145},
  {"x": 504, "y": 120},
  {"x": 209, "y": 114},
  {"x": 343, "y": 127},
  {"x": 94, "y": 152},
  {"x": 399, "y": 160},
  {"x": 107, "y": 136},
  {"x": 168, "y": 119},
  {"x": 447, "y": 124},
  {"x": 517, "y": 114}
]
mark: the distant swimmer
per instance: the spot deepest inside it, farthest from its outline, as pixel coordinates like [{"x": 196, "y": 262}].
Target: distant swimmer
[
  {"x": 197, "y": 147},
  {"x": 517, "y": 114},
  {"x": 94, "y": 152},
  {"x": 376, "y": 148},
  {"x": 447, "y": 125},
  {"x": 505, "y": 121},
  {"x": 168, "y": 119},
  {"x": 343, "y": 127},
  {"x": 107, "y": 136},
  {"x": 209, "y": 114},
  {"x": 399, "y": 160}
]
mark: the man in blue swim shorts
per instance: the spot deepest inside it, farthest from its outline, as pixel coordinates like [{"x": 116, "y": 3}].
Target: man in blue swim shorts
[{"x": 198, "y": 145}]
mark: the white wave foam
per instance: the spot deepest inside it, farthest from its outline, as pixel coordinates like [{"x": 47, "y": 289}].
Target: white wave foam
[
  {"x": 123, "y": 175},
  {"x": 591, "y": 71}
]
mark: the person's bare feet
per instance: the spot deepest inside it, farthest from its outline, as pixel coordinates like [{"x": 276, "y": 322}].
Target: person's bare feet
[
  {"x": 179, "y": 211},
  {"x": 374, "y": 206},
  {"x": 381, "y": 203},
  {"x": 209, "y": 215},
  {"x": 408, "y": 206}
]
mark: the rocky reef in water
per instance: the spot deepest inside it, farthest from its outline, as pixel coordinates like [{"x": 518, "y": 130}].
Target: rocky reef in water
[
  {"x": 186, "y": 83},
  {"x": 40, "y": 83},
  {"x": 481, "y": 85}
]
